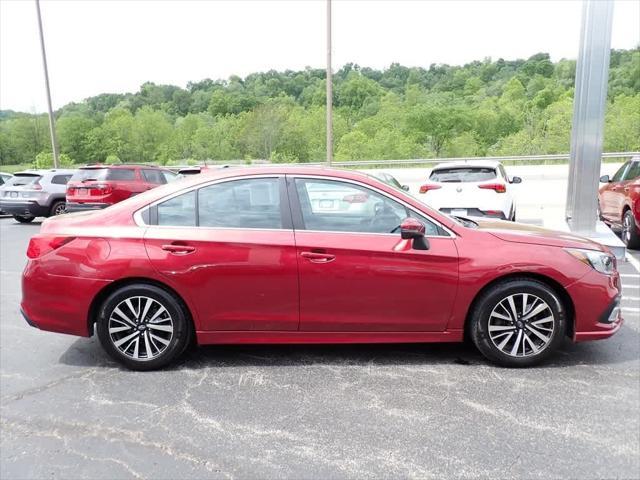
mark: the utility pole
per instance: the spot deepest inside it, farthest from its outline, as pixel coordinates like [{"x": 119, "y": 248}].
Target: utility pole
[
  {"x": 52, "y": 126},
  {"x": 329, "y": 89}
]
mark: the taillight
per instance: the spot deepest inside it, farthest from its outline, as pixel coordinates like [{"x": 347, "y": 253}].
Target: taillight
[
  {"x": 498, "y": 187},
  {"x": 101, "y": 189},
  {"x": 356, "y": 198},
  {"x": 36, "y": 186},
  {"x": 428, "y": 186},
  {"x": 41, "y": 244}
]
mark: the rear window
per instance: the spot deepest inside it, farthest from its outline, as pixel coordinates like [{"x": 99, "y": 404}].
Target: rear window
[
  {"x": 60, "y": 179},
  {"x": 465, "y": 174},
  {"x": 87, "y": 174},
  {"x": 20, "y": 179},
  {"x": 84, "y": 174}
]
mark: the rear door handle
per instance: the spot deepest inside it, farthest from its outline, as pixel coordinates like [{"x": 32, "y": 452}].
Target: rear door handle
[
  {"x": 179, "y": 249},
  {"x": 316, "y": 257}
]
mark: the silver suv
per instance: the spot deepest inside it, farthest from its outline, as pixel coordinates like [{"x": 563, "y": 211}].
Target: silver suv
[{"x": 35, "y": 193}]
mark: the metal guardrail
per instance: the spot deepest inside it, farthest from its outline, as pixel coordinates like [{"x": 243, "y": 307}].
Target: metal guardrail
[
  {"x": 421, "y": 161},
  {"x": 518, "y": 158}
]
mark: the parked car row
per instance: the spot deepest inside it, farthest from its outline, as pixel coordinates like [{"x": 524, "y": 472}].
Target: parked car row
[{"x": 46, "y": 193}]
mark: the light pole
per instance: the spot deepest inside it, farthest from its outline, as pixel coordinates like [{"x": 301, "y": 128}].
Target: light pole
[
  {"x": 329, "y": 89},
  {"x": 589, "y": 104},
  {"x": 52, "y": 126}
]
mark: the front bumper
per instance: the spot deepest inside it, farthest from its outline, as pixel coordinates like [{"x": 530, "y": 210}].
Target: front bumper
[
  {"x": 24, "y": 208},
  {"x": 85, "y": 207},
  {"x": 596, "y": 299}
]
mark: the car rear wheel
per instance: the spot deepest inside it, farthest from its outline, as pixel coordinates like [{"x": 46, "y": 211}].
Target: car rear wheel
[
  {"x": 630, "y": 233},
  {"x": 58, "y": 208},
  {"x": 518, "y": 322},
  {"x": 24, "y": 218},
  {"x": 143, "y": 327}
]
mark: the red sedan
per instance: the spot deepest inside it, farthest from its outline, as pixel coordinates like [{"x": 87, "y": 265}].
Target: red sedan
[
  {"x": 310, "y": 255},
  {"x": 619, "y": 201}
]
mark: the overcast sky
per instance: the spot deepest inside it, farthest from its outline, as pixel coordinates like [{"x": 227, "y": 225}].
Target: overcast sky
[{"x": 114, "y": 46}]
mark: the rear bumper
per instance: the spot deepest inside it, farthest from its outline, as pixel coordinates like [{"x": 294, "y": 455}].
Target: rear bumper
[
  {"x": 26, "y": 208},
  {"x": 57, "y": 303},
  {"x": 84, "y": 207}
]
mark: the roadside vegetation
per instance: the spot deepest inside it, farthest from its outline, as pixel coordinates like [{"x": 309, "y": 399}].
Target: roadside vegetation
[{"x": 519, "y": 107}]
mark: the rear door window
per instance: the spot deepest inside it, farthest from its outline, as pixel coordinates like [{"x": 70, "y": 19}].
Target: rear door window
[
  {"x": 169, "y": 176},
  {"x": 250, "y": 203},
  {"x": 464, "y": 174},
  {"x": 153, "y": 176},
  {"x": 60, "y": 179},
  {"x": 179, "y": 211}
]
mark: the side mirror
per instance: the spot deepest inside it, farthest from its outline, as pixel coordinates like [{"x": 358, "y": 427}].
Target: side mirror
[
  {"x": 413, "y": 229},
  {"x": 605, "y": 179},
  {"x": 405, "y": 188},
  {"x": 515, "y": 180}
]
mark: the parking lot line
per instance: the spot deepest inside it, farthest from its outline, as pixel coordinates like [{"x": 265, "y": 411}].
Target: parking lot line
[{"x": 635, "y": 263}]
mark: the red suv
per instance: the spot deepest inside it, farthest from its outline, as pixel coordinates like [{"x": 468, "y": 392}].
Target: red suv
[
  {"x": 98, "y": 186},
  {"x": 619, "y": 201}
]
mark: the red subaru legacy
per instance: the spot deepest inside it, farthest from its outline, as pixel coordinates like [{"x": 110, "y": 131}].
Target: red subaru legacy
[{"x": 311, "y": 255}]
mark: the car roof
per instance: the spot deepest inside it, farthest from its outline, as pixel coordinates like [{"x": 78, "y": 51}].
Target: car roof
[
  {"x": 208, "y": 174},
  {"x": 45, "y": 171},
  {"x": 472, "y": 164}
]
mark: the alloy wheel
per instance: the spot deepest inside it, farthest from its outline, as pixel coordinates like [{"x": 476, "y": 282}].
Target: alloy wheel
[
  {"x": 60, "y": 209},
  {"x": 521, "y": 325},
  {"x": 140, "y": 328}
]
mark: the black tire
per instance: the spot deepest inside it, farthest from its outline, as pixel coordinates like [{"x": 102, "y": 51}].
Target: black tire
[
  {"x": 630, "y": 233},
  {"x": 489, "y": 304},
  {"x": 24, "y": 218},
  {"x": 58, "y": 208},
  {"x": 177, "y": 340}
]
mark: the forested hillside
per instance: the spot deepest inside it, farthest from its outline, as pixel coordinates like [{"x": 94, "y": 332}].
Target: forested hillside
[{"x": 485, "y": 107}]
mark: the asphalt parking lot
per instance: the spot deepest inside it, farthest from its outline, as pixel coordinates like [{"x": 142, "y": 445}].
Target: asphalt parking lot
[{"x": 426, "y": 411}]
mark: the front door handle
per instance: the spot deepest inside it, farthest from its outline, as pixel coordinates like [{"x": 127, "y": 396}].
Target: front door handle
[
  {"x": 317, "y": 257},
  {"x": 179, "y": 249}
]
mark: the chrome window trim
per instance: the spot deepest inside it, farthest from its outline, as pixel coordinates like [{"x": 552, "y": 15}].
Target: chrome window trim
[
  {"x": 137, "y": 216},
  {"x": 450, "y": 233}
]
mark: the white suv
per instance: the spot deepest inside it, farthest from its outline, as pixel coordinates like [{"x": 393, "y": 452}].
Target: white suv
[
  {"x": 35, "y": 193},
  {"x": 478, "y": 189}
]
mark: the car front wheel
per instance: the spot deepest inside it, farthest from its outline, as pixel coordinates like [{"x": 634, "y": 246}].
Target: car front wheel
[
  {"x": 24, "y": 218},
  {"x": 518, "y": 322},
  {"x": 143, "y": 327},
  {"x": 630, "y": 233}
]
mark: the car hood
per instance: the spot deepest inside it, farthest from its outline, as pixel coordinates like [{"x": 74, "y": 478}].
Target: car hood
[{"x": 531, "y": 234}]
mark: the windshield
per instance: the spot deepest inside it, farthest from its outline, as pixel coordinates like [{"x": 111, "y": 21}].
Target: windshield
[
  {"x": 465, "y": 174},
  {"x": 84, "y": 174},
  {"x": 21, "y": 179}
]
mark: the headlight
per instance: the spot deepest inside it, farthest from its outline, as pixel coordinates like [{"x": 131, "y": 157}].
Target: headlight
[{"x": 600, "y": 261}]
